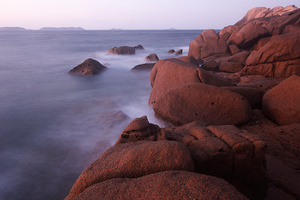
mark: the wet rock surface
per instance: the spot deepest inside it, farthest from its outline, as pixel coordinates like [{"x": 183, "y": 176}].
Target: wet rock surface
[{"x": 88, "y": 67}]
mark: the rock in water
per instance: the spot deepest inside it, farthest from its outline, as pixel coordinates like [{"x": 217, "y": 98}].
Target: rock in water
[
  {"x": 282, "y": 103},
  {"x": 88, "y": 67},
  {"x": 145, "y": 66},
  {"x": 123, "y": 50},
  {"x": 152, "y": 58}
]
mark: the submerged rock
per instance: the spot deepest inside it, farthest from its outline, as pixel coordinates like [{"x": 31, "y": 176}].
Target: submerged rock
[
  {"x": 88, "y": 67},
  {"x": 146, "y": 66}
]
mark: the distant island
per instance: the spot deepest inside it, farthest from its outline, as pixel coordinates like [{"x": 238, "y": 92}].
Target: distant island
[
  {"x": 62, "y": 29},
  {"x": 16, "y": 28}
]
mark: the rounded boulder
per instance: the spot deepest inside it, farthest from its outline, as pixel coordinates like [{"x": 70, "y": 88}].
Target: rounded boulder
[
  {"x": 200, "y": 102},
  {"x": 134, "y": 159},
  {"x": 164, "y": 185},
  {"x": 281, "y": 103}
]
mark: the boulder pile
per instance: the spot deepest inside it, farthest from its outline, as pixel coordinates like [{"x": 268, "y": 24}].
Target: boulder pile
[
  {"x": 234, "y": 106},
  {"x": 265, "y": 42}
]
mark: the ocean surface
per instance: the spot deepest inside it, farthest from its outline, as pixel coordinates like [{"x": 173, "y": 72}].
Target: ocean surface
[{"x": 53, "y": 124}]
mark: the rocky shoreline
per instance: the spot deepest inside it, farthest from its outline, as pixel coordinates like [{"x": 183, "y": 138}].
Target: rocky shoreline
[{"x": 236, "y": 120}]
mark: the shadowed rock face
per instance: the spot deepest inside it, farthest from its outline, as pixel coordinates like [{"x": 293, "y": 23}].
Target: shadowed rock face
[
  {"x": 132, "y": 160},
  {"x": 281, "y": 104},
  {"x": 144, "y": 166},
  {"x": 164, "y": 185},
  {"x": 88, "y": 67}
]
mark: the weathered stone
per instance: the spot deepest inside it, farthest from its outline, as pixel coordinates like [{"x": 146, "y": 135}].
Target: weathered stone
[
  {"x": 141, "y": 129},
  {"x": 171, "y": 73},
  {"x": 281, "y": 104},
  {"x": 231, "y": 67},
  {"x": 178, "y": 52},
  {"x": 207, "y": 44},
  {"x": 253, "y": 95},
  {"x": 132, "y": 160},
  {"x": 248, "y": 35},
  {"x": 210, "y": 65},
  {"x": 200, "y": 102},
  {"x": 146, "y": 66},
  {"x": 152, "y": 58},
  {"x": 279, "y": 48},
  {"x": 123, "y": 50},
  {"x": 88, "y": 67},
  {"x": 164, "y": 185}
]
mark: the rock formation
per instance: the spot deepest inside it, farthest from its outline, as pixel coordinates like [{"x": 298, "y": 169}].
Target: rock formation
[
  {"x": 236, "y": 120},
  {"x": 88, "y": 67},
  {"x": 270, "y": 37},
  {"x": 124, "y": 50},
  {"x": 145, "y": 150},
  {"x": 152, "y": 58}
]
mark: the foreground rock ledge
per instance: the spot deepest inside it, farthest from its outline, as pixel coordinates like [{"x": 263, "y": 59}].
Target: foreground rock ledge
[
  {"x": 145, "y": 152},
  {"x": 164, "y": 185}
]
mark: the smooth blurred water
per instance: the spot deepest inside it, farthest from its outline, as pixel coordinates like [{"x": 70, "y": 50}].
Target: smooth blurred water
[{"x": 53, "y": 124}]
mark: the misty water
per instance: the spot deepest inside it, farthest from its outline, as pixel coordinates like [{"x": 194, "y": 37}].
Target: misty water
[{"x": 53, "y": 124}]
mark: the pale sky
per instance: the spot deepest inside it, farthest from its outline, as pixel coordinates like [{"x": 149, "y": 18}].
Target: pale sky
[{"x": 129, "y": 14}]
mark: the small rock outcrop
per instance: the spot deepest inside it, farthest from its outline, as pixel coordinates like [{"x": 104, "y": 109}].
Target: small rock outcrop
[
  {"x": 281, "y": 104},
  {"x": 88, "y": 67},
  {"x": 124, "y": 50},
  {"x": 145, "y": 66},
  {"x": 152, "y": 58}
]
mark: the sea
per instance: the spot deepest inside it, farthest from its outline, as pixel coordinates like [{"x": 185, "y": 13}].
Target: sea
[{"x": 54, "y": 124}]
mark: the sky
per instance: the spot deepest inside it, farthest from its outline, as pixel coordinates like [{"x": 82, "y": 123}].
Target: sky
[{"x": 129, "y": 14}]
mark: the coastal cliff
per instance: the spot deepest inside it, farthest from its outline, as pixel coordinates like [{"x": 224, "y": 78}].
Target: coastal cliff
[{"x": 236, "y": 120}]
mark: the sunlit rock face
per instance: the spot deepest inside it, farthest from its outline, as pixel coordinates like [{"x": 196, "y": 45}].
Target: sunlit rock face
[{"x": 270, "y": 37}]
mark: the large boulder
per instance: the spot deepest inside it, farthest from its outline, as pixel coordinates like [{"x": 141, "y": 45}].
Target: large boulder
[
  {"x": 170, "y": 73},
  {"x": 134, "y": 159},
  {"x": 200, "y": 102},
  {"x": 253, "y": 95},
  {"x": 164, "y": 185},
  {"x": 88, "y": 67},
  {"x": 248, "y": 35},
  {"x": 281, "y": 104},
  {"x": 226, "y": 152},
  {"x": 207, "y": 44},
  {"x": 279, "y": 58}
]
